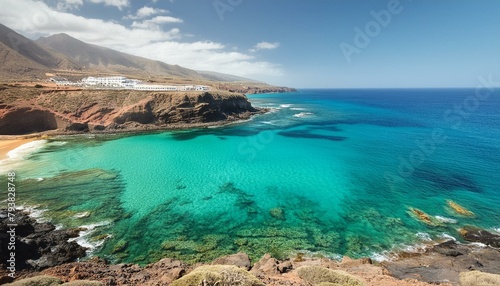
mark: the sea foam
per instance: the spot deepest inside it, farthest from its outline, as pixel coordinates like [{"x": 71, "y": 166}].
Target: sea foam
[
  {"x": 445, "y": 219},
  {"x": 83, "y": 238},
  {"x": 303, "y": 114},
  {"x": 24, "y": 151}
]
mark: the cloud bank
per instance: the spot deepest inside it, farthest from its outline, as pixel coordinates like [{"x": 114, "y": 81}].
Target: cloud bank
[{"x": 154, "y": 35}]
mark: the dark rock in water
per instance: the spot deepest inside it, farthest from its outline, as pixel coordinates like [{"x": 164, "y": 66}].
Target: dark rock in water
[
  {"x": 38, "y": 245},
  {"x": 239, "y": 259},
  {"x": 474, "y": 234}
]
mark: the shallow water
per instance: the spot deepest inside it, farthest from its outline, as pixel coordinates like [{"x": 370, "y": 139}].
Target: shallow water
[{"x": 326, "y": 172}]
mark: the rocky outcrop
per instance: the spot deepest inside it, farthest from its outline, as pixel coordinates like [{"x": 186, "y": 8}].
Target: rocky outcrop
[
  {"x": 239, "y": 259},
  {"x": 162, "y": 272},
  {"x": 37, "y": 245},
  {"x": 474, "y": 234},
  {"x": 26, "y": 110},
  {"x": 444, "y": 263}
]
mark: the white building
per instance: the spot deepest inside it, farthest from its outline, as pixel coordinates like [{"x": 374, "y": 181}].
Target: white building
[
  {"x": 110, "y": 81},
  {"x": 122, "y": 82},
  {"x": 201, "y": 87},
  {"x": 155, "y": 87}
]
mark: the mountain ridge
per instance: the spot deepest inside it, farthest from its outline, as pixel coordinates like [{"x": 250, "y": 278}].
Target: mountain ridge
[
  {"x": 99, "y": 58},
  {"x": 23, "y": 58}
]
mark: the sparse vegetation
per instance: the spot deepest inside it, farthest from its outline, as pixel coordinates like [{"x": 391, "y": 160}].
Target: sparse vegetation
[
  {"x": 45, "y": 280},
  {"x": 478, "y": 278},
  {"x": 220, "y": 275},
  {"x": 319, "y": 276},
  {"x": 37, "y": 281}
]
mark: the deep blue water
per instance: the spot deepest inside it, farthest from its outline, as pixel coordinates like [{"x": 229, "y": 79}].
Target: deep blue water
[{"x": 334, "y": 172}]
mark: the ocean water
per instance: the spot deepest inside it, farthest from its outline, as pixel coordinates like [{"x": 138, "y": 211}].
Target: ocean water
[{"x": 326, "y": 172}]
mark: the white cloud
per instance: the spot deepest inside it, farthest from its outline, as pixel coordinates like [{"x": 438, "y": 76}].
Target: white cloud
[
  {"x": 145, "y": 12},
  {"x": 264, "y": 46},
  {"x": 120, "y": 4},
  {"x": 35, "y": 18},
  {"x": 155, "y": 22},
  {"x": 69, "y": 4}
]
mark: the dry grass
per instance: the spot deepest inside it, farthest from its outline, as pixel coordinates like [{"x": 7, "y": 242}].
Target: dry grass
[
  {"x": 45, "y": 280},
  {"x": 218, "y": 275},
  {"x": 478, "y": 278},
  {"x": 37, "y": 281},
  {"x": 322, "y": 276}
]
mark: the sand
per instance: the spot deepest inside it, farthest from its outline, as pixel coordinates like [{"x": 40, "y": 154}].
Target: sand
[{"x": 8, "y": 145}]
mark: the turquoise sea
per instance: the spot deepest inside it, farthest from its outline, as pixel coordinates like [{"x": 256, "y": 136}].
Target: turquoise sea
[{"x": 326, "y": 172}]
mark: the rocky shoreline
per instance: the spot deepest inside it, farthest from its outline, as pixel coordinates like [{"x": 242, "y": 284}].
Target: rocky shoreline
[
  {"x": 43, "y": 250},
  {"x": 31, "y": 112}
]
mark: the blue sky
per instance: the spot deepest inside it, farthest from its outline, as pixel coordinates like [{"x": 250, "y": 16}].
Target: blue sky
[{"x": 299, "y": 43}]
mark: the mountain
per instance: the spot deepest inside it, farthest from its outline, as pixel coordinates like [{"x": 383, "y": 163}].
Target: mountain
[
  {"x": 103, "y": 59},
  {"x": 19, "y": 54},
  {"x": 22, "y": 58},
  {"x": 217, "y": 76}
]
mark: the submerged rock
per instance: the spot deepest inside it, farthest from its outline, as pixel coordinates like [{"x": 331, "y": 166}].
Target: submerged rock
[
  {"x": 459, "y": 209},
  {"x": 423, "y": 217},
  {"x": 277, "y": 213}
]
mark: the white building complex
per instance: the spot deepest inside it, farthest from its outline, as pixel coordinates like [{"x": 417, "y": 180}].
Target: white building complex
[
  {"x": 121, "y": 82},
  {"x": 110, "y": 81}
]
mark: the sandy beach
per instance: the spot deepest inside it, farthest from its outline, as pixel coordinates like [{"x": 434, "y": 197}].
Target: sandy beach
[{"x": 11, "y": 144}]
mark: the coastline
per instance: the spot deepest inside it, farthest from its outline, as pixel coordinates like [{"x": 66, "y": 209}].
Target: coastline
[
  {"x": 441, "y": 264},
  {"x": 7, "y": 145}
]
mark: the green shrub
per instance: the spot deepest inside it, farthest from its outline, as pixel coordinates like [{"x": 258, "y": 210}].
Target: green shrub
[
  {"x": 318, "y": 276},
  {"x": 38, "y": 86},
  {"x": 218, "y": 275},
  {"x": 478, "y": 278}
]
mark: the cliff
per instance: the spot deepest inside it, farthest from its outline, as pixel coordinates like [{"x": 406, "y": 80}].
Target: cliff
[{"x": 25, "y": 110}]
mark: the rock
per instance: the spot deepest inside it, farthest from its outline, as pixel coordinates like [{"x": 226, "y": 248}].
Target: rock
[
  {"x": 448, "y": 248},
  {"x": 5, "y": 279},
  {"x": 39, "y": 245},
  {"x": 115, "y": 110},
  {"x": 439, "y": 263},
  {"x": 277, "y": 213},
  {"x": 83, "y": 283},
  {"x": 267, "y": 265},
  {"x": 285, "y": 266},
  {"x": 240, "y": 259},
  {"x": 349, "y": 262},
  {"x": 474, "y": 234}
]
